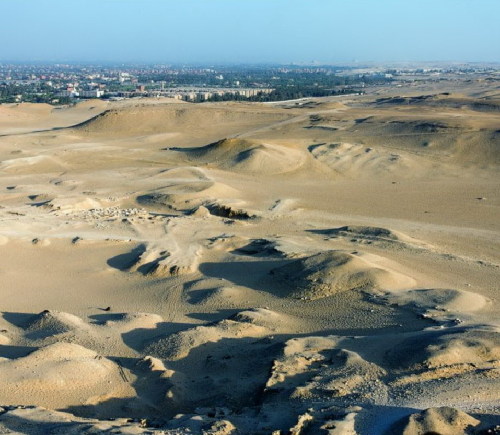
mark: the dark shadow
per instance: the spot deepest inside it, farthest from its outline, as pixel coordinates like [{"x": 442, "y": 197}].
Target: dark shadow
[
  {"x": 325, "y": 232},
  {"x": 214, "y": 317},
  {"x": 17, "y": 424},
  {"x": 361, "y": 120},
  {"x": 227, "y": 211},
  {"x": 111, "y": 408},
  {"x": 196, "y": 297},
  {"x": 101, "y": 319},
  {"x": 312, "y": 147},
  {"x": 18, "y": 319},
  {"x": 140, "y": 338},
  {"x": 39, "y": 204},
  {"x": 12, "y": 352},
  {"x": 385, "y": 420},
  {"x": 134, "y": 407},
  {"x": 231, "y": 372},
  {"x": 358, "y": 232},
  {"x": 252, "y": 274},
  {"x": 321, "y": 127},
  {"x": 260, "y": 248},
  {"x": 125, "y": 261},
  {"x": 198, "y": 151}
]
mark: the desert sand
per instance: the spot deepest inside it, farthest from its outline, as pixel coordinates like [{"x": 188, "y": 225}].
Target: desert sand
[{"x": 320, "y": 266}]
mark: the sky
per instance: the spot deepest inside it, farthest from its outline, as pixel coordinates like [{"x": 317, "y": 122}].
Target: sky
[{"x": 249, "y": 31}]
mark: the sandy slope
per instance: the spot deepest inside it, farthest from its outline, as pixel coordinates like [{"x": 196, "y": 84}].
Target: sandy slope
[{"x": 328, "y": 266}]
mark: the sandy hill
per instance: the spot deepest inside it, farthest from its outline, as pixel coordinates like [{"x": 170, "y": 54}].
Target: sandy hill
[
  {"x": 163, "y": 118},
  {"x": 248, "y": 156},
  {"x": 444, "y": 100},
  {"x": 26, "y": 117},
  {"x": 328, "y": 273},
  {"x": 376, "y": 138}
]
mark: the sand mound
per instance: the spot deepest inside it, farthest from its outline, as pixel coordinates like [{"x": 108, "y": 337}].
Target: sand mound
[
  {"x": 223, "y": 365},
  {"x": 382, "y": 237},
  {"x": 440, "y": 302},
  {"x": 7, "y": 330},
  {"x": 362, "y": 161},
  {"x": 73, "y": 204},
  {"x": 314, "y": 368},
  {"x": 126, "y": 322},
  {"x": 24, "y": 112},
  {"x": 186, "y": 195},
  {"x": 248, "y": 156},
  {"x": 443, "y": 421},
  {"x": 443, "y": 100},
  {"x": 364, "y": 232},
  {"x": 261, "y": 317},
  {"x": 331, "y": 272},
  {"x": 267, "y": 159},
  {"x": 61, "y": 375},
  {"x": 201, "y": 212},
  {"x": 171, "y": 257},
  {"x": 49, "y": 323},
  {"x": 178, "y": 345},
  {"x": 182, "y": 174},
  {"x": 319, "y": 372},
  {"x": 407, "y": 146},
  {"x": 472, "y": 346},
  {"x": 32, "y": 164},
  {"x": 418, "y": 126},
  {"x": 331, "y": 420},
  {"x": 155, "y": 261},
  {"x": 218, "y": 296},
  {"x": 185, "y": 188}
]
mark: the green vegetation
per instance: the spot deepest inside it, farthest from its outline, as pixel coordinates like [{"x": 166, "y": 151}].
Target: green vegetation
[{"x": 30, "y": 93}]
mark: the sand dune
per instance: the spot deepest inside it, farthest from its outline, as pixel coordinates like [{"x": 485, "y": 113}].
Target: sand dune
[
  {"x": 460, "y": 346},
  {"x": 26, "y": 117},
  {"x": 187, "y": 194},
  {"x": 322, "y": 266},
  {"x": 442, "y": 420},
  {"x": 445, "y": 99},
  {"x": 62, "y": 374},
  {"x": 359, "y": 160},
  {"x": 328, "y": 273},
  {"x": 154, "y": 119},
  {"x": 247, "y": 156},
  {"x": 366, "y": 235},
  {"x": 179, "y": 345}
]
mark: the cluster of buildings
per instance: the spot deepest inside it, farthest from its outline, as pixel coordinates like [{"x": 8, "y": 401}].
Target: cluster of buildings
[
  {"x": 58, "y": 82},
  {"x": 74, "y": 93},
  {"x": 185, "y": 93}
]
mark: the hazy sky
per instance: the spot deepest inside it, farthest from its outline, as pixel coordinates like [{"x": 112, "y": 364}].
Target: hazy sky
[{"x": 249, "y": 31}]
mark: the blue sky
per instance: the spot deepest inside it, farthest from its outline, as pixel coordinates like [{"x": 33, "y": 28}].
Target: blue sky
[{"x": 249, "y": 31}]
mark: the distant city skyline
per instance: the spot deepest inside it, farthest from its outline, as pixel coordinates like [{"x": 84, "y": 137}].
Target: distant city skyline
[{"x": 249, "y": 31}]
